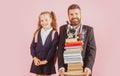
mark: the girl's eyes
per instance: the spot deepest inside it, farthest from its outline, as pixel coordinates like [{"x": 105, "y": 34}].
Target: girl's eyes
[
  {"x": 44, "y": 20},
  {"x": 41, "y": 20}
]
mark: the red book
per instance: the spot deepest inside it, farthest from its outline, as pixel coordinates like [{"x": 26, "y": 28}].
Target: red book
[{"x": 77, "y": 43}]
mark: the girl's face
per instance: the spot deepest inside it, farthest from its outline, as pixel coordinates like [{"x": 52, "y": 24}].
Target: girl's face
[{"x": 45, "y": 21}]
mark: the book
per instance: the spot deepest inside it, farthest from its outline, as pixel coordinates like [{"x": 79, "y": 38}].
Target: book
[
  {"x": 74, "y": 70},
  {"x": 74, "y": 73},
  {"x": 72, "y": 47},
  {"x": 73, "y": 50},
  {"x": 71, "y": 40},
  {"x": 72, "y": 56},
  {"x": 75, "y": 64},
  {"x": 75, "y": 43}
]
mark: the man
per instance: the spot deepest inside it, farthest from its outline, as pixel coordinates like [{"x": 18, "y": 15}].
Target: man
[{"x": 89, "y": 47}]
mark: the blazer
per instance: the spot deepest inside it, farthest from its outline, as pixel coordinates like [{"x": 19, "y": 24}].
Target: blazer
[
  {"x": 89, "y": 48},
  {"x": 46, "y": 51}
]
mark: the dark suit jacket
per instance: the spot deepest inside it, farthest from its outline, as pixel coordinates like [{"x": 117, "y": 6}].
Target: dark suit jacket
[{"x": 89, "y": 48}]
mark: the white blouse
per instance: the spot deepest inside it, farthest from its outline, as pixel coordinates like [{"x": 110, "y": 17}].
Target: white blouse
[{"x": 44, "y": 34}]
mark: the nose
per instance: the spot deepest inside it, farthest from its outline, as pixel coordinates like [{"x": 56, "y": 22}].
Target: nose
[{"x": 74, "y": 15}]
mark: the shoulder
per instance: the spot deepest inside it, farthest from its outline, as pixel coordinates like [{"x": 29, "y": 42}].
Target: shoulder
[
  {"x": 87, "y": 27},
  {"x": 54, "y": 32},
  {"x": 63, "y": 26}
]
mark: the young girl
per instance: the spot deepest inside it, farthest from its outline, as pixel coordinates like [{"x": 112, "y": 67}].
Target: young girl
[{"x": 43, "y": 46}]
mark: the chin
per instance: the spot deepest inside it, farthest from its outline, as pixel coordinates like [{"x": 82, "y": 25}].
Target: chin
[{"x": 75, "y": 23}]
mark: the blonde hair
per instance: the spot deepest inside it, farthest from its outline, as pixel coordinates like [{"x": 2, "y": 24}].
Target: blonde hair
[{"x": 53, "y": 23}]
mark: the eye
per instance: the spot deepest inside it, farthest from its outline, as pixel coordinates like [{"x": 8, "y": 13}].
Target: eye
[
  {"x": 76, "y": 13},
  {"x": 71, "y": 14},
  {"x": 46, "y": 19},
  {"x": 41, "y": 20}
]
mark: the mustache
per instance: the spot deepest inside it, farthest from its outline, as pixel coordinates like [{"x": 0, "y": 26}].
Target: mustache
[
  {"x": 75, "y": 18},
  {"x": 75, "y": 21}
]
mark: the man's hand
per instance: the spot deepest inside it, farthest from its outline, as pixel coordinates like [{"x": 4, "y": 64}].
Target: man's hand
[
  {"x": 87, "y": 71},
  {"x": 61, "y": 72}
]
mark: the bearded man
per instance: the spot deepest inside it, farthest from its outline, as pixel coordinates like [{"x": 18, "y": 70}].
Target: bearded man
[{"x": 89, "y": 47}]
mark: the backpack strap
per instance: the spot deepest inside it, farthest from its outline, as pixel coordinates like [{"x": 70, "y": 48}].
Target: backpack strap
[
  {"x": 53, "y": 33},
  {"x": 36, "y": 37}
]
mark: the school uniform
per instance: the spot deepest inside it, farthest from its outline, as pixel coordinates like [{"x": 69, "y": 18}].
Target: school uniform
[{"x": 44, "y": 49}]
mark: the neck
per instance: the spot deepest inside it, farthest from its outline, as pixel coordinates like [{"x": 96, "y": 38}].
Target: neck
[
  {"x": 47, "y": 28},
  {"x": 76, "y": 26}
]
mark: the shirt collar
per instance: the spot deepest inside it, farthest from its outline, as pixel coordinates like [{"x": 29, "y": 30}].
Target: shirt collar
[{"x": 48, "y": 30}]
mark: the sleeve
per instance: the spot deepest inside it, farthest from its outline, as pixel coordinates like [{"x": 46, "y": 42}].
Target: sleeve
[
  {"x": 61, "y": 48},
  {"x": 32, "y": 48},
  {"x": 52, "y": 50},
  {"x": 90, "y": 50}
]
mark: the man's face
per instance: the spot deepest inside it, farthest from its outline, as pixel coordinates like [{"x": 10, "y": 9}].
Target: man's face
[{"x": 74, "y": 16}]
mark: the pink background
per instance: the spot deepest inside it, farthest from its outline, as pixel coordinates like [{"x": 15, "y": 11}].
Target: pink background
[{"x": 18, "y": 20}]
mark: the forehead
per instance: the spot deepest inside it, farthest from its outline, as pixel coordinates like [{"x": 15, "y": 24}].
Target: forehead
[
  {"x": 74, "y": 11},
  {"x": 46, "y": 15}
]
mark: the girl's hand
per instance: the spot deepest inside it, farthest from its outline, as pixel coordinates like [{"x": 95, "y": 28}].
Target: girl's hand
[
  {"x": 44, "y": 62},
  {"x": 36, "y": 61}
]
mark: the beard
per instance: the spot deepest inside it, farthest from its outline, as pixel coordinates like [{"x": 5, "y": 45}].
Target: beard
[{"x": 75, "y": 21}]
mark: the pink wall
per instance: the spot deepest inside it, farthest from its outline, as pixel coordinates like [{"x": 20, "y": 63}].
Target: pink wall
[{"x": 18, "y": 20}]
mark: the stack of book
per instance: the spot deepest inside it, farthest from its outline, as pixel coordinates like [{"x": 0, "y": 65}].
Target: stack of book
[
  {"x": 72, "y": 56},
  {"x": 75, "y": 67}
]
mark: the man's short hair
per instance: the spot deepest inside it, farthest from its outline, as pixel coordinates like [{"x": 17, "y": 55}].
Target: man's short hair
[{"x": 73, "y": 6}]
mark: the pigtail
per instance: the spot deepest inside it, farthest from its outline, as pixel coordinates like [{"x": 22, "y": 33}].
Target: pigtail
[
  {"x": 38, "y": 29},
  {"x": 53, "y": 24},
  {"x": 54, "y": 21}
]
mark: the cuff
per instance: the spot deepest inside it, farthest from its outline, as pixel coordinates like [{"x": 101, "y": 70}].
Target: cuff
[{"x": 62, "y": 68}]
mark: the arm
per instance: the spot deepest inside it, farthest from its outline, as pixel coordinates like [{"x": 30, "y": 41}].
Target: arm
[
  {"x": 90, "y": 50},
  {"x": 61, "y": 67},
  {"x": 32, "y": 48},
  {"x": 61, "y": 47},
  {"x": 33, "y": 53}
]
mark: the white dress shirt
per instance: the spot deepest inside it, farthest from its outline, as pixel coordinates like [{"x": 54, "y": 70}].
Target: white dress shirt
[{"x": 44, "y": 34}]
